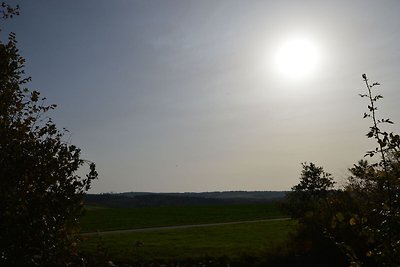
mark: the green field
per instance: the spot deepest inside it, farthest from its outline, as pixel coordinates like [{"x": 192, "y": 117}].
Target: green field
[
  {"x": 230, "y": 241},
  {"x": 102, "y": 219},
  {"x": 233, "y": 241}
]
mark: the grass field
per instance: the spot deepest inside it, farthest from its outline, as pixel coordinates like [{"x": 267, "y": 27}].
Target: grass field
[
  {"x": 102, "y": 219},
  {"x": 231, "y": 241}
]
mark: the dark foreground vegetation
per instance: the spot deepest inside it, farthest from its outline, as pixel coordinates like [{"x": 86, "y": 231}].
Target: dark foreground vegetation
[
  {"x": 359, "y": 223},
  {"x": 41, "y": 203},
  {"x": 40, "y": 193}
]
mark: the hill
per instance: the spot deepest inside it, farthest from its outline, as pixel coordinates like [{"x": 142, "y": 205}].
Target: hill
[{"x": 147, "y": 199}]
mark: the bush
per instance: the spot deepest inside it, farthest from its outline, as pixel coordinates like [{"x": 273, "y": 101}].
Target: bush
[{"x": 40, "y": 193}]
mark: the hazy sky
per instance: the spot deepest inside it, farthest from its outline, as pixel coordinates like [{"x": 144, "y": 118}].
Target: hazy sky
[{"x": 173, "y": 96}]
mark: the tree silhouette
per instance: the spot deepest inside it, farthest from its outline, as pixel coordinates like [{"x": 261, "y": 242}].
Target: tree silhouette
[
  {"x": 314, "y": 180},
  {"x": 314, "y": 185},
  {"x": 40, "y": 192},
  {"x": 363, "y": 218},
  {"x": 376, "y": 190}
]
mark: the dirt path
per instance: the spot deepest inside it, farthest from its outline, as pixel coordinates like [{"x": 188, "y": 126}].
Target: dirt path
[{"x": 178, "y": 227}]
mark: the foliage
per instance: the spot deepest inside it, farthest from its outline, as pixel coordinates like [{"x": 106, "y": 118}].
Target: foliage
[
  {"x": 309, "y": 203},
  {"x": 362, "y": 219},
  {"x": 375, "y": 189},
  {"x": 40, "y": 192},
  {"x": 314, "y": 180},
  {"x": 315, "y": 185}
]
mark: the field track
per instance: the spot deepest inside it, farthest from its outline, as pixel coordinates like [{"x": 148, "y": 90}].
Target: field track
[{"x": 178, "y": 227}]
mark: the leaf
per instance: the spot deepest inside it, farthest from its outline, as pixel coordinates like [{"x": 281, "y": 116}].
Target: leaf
[
  {"x": 339, "y": 216},
  {"x": 370, "y": 154}
]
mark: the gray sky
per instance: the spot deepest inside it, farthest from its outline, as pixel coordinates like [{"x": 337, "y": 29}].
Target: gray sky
[{"x": 186, "y": 95}]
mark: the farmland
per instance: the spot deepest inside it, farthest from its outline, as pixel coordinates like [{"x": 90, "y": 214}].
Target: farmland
[
  {"x": 233, "y": 241},
  {"x": 105, "y": 219}
]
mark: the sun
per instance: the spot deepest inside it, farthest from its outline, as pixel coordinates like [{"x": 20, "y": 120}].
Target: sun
[{"x": 297, "y": 58}]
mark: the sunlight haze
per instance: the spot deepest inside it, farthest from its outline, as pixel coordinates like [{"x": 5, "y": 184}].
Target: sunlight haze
[
  {"x": 297, "y": 58},
  {"x": 174, "y": 96}
]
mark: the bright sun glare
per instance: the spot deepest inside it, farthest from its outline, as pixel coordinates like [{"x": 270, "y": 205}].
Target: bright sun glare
[{"x": 297, "y": 58}]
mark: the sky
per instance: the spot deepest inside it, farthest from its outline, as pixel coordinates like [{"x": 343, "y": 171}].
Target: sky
[{"x": 191, "y": 96}]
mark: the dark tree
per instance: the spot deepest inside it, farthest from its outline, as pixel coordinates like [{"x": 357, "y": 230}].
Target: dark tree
[
  {"x": 314, "y": 185},
  {"x": 40, "y": 192},
  {"x": 310, "y": 203},
  {"x": 314, "y": 180}
]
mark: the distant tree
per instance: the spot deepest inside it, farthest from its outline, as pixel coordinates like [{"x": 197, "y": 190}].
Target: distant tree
[
  {"x": 315, "y": 184},
  {"x": 309, "y": 203},
  {"x": 314, "y": 180},
  {"x": 40, "y": 192}
]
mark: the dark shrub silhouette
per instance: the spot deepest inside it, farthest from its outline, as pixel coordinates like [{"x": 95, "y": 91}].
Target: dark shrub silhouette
[{"x": 40, "y": 194}]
